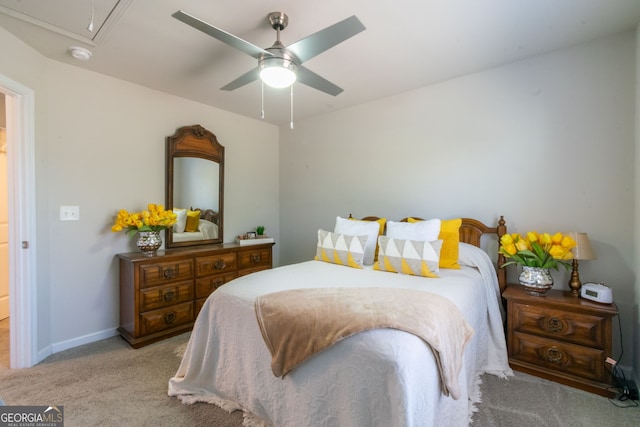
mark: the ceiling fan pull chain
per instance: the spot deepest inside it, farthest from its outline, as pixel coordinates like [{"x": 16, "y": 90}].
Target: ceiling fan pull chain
[
  {"x": 93, "y": 12},
  {"x": 262, "y": 99},
  {"x": 291, "y": 124}
]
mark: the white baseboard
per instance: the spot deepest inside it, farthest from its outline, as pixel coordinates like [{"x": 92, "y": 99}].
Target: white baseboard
[
  {"x": 86, "y": 339},
  {"x": 75, "y": 342},
  {"x": 43, "y": 354}
]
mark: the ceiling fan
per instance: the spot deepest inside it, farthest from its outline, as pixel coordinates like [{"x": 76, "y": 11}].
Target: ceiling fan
[{"x": 279, "y": 65}]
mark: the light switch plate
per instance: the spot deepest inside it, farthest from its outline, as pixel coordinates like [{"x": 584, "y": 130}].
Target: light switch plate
[{"x": 69, "y": 213}]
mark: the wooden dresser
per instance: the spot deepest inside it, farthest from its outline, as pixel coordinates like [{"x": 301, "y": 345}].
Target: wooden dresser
[
  {"x": 161, "y": 296},
  {"x": 560, "y": 337}
]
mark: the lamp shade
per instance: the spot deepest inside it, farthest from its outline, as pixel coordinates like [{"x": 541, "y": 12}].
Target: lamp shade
[
  {"x": 583, "y": 248},
  {"x": 278, "y": 72}
]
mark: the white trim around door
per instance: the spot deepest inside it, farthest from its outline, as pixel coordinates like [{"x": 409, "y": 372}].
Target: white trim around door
[{"x": 20, "y": 103}]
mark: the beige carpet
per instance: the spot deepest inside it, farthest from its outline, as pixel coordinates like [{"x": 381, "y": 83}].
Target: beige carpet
[
  {"x": 4, "y": 343},
  {"x": 109, "y": 384}
]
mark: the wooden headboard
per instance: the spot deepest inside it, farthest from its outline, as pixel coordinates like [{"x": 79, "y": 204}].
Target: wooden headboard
[{"x": 471, "y": 231}]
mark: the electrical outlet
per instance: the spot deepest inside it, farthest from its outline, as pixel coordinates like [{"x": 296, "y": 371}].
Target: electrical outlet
[{"x": 69, "y": 213}]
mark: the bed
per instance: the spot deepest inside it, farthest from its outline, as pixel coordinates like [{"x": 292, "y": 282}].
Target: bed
[
  {"x": 205, "y": 228},
  {"x": 384, "y": 376}
]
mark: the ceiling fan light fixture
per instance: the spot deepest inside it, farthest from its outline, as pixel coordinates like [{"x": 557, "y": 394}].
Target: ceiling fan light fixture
[{"x": 278, "y": 72}]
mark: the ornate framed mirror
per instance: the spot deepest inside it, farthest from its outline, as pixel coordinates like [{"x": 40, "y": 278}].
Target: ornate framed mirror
[{"x": 195, "y": 187}]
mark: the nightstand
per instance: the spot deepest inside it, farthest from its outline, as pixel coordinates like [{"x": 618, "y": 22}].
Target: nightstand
[{"x": 560, "y": 337}]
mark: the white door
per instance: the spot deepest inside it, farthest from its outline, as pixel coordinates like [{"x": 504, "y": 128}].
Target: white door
[
  {"x": 20, "y": 199},
  {"x": 4, "y": 229}
]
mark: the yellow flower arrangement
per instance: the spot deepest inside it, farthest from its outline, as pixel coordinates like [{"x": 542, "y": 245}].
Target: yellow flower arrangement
[
  {"x": 155, "y": 218},
  {"x": 537, "y": 250}
]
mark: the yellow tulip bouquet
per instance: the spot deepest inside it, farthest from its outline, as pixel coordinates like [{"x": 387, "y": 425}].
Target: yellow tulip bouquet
[
  {"x": 155, "y": 218},
  {"x": 537, "y": 250}
]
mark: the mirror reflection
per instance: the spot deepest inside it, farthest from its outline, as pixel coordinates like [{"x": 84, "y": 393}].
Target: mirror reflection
[{"x": 195, "y": 190}]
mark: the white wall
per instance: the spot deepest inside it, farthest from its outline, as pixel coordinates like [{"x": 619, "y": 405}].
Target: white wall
[
  {"x": 100, "y": 145},
  {"x": 547, "y": 142}
]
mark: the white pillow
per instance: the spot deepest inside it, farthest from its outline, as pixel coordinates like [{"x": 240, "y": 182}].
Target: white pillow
[
  {"x": 423, "y": 230},
  {"x": 358, "y": 228},
  {"x": 181, "y": 223}
]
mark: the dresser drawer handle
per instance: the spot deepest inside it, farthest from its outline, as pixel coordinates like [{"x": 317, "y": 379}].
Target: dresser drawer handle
[
  {"x": 256, "y": 258},
  {"x": 554, "y": 355},
  {"x": 217, "y": 283},
  {"x": 219, "y": 264},
  {"x": 169, "y": 318},
  {"x": 554, "y": 324},
  {"x": 169, "y": 273},
  {"x": 168, "y": 296}
]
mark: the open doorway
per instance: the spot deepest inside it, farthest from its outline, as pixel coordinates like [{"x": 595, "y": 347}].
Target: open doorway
[{"x": 19, "y": 102}]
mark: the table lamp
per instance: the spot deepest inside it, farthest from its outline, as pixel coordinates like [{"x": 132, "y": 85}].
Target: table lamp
[{"x": 582, "y": 251}]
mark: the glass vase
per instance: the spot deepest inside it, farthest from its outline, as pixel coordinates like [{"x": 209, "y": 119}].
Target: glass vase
[
  {"x": 536, "y": 280},
  {"x": 149, "y": 242}
]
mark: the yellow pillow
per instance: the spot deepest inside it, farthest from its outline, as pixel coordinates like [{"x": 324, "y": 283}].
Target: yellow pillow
[
  {"x": 450, "y": 236},
  {"x": 381, "y": 222},
  {"x": 193, "y": 220}
]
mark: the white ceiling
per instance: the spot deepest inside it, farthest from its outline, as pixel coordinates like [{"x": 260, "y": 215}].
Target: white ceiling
[{"x": 407, "y": 43}]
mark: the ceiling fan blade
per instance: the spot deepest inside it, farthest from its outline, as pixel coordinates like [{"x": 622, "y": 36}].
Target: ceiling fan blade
[
  {"x": 317, "y": 43},
  {"x": 223, "y": 36},
  {"x": 244, "y": 79},
  {"x": 311, "y": 79}
]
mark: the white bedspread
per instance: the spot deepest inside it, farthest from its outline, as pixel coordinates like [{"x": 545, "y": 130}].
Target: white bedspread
[
  {"x": 382, "y": 377},
  {"x": 206, "y": 230}
]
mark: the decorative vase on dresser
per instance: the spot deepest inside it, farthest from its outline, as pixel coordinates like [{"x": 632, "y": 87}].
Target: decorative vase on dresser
[
  {"x": 161, "y": 296},
  {"x": 560, "y": 337},
  {"x": 149, "y": 242}
]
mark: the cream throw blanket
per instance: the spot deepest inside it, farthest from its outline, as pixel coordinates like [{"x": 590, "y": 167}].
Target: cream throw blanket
[{"x": 298, "y": 323}]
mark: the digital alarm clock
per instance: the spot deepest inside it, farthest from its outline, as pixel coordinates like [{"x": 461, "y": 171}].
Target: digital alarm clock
[{"x": 598, "y": 292}]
